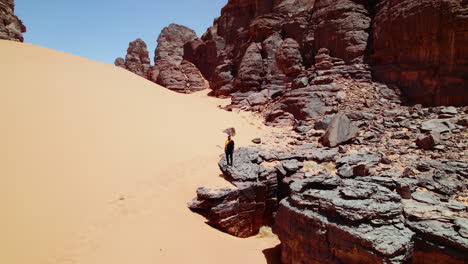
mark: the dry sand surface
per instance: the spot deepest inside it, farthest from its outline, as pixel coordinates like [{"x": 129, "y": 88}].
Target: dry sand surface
[{"x": 97, "y": 164}]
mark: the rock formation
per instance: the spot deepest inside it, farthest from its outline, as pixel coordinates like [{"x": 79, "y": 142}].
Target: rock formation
[
  {"x": 137, "y": 59},
  {"x": 257, "y": 50},
  {"x": 342, "y": 221},
  {"x": 383, "y": 197},
  {"x": 170, "y": 70},
  {"x": 238, "y": 212},
  {"x": 11, "y": 27}
]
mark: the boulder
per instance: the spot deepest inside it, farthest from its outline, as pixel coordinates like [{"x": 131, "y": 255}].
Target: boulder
[
  {"x": 428, "y": 141},
  {"x": 340, "y": 131}
]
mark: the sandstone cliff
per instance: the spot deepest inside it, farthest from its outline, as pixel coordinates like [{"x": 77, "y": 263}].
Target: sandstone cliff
[
  {"x": 258, "y": 48},
  {"x": 11, "y": 27}
]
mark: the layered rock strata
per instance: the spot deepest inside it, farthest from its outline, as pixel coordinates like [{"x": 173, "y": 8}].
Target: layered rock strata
[
  {"x": 11, "y": 27},
  {"x": 342, "y": 221},
  {"x": 238, "y": 212}
]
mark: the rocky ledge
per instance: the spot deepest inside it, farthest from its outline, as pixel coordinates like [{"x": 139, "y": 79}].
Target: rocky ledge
[
  {"x": 354, "y": 186},
  {"x": 329, "y": 220}
]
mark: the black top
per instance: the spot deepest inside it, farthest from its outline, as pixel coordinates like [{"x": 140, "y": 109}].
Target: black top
[{"x": 230, "y": 146}]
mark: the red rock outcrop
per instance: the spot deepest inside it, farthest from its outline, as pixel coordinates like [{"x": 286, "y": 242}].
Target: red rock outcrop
[
  {"x": 171, "y": 70},
  {"x": 421, "y": 46},
  {"x": 418, "y": 46},
  {"x": 260, "y": 50},
  {"x": 11, "y": 27},
  {"x": 137, "y": 59}
]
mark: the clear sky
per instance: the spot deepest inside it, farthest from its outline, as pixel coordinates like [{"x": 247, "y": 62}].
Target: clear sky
[{"x": 101, "y": 29}]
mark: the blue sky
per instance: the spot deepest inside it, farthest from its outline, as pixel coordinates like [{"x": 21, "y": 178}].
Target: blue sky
[{"x": 101, "y": 29}]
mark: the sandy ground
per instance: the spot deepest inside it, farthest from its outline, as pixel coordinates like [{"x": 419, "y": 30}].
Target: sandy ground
[{"x": 97, "y": 165}]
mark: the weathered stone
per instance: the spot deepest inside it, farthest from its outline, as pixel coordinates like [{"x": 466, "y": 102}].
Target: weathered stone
[
  {"x": 289, "y": 57},
  {"x": 137, "y": 59},
  {"x": 339, "y": 131},
  {"x": 292, "y": 166},
  {"x": 120, "y": 62},
  {"x": 238, "y": 212},
  {"x": 321, "y": 233},
  {"x": 171, "y": 42},
  {"x": 437, "y": 125},
  {"x": 428, "y": 141}
]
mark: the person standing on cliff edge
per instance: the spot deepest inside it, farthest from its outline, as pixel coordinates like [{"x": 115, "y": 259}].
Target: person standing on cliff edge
[{"x": 229, "y": 149}]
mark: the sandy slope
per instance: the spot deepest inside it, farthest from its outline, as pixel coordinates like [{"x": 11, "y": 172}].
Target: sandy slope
[{"x": 97, "y": 164}]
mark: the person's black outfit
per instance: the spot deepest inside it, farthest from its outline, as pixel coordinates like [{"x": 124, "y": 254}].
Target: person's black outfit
[{"x": 229, "y": 151}]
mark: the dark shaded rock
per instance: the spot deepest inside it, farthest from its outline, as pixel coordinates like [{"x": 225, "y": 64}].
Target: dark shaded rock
[
  {"x": 428, "y": 141},
  {"x": 289, "y": 58},
  {"x": 348, "y": 171},
  {"x": 323, "y": 124},
  {"x": 238, "y": 212},
  {"x": 358, "y": 158},
  {"x": 171, "y": 70},
  {"x": 304, "y": 103},
  {"x": 137, "y": 59},
  {"x": 257, "y": 140},
  {"x": 339, "y": 131},
  {"x": 292, "y": 166},
  {"x": 246, "y": 170},
  {"x": 171, "y": 42},
  {"x": 11, "y": 27},
  {"x": 342, "y": 27},
  {"x": 250, "y": 69},
  {"x": 120, "y": 62},
  {"x": 417, "y": 46}
]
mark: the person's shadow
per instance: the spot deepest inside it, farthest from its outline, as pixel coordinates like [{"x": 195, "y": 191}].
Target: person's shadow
[{"x": 273, "y": 255}]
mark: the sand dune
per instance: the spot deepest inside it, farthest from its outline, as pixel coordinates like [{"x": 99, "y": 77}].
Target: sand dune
[{"x": 97, "y": 164}]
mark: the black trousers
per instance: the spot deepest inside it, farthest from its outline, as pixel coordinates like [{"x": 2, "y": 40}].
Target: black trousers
[{"x": 229, "y": 158}]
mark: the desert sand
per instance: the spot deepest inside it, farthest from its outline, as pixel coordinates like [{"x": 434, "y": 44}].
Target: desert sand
[{"x": 97, "y": 165}]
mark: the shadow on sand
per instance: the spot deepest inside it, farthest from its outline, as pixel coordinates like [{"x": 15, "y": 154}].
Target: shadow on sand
[{"x": 273, "y": 255}]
